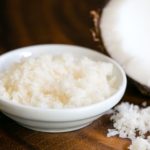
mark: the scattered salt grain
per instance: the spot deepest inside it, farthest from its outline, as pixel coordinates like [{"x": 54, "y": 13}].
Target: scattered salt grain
[
  {"x": 140, "y": 144},
  {"x": 131, "y": 121},
  {"x": 144, "y": 104}
]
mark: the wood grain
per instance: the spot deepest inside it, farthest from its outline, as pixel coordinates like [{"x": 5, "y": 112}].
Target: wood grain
[{"x": 24, "y": 23}]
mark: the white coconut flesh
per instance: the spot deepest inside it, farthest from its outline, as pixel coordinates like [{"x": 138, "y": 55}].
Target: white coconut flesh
[{"x": 125, "y": 30}]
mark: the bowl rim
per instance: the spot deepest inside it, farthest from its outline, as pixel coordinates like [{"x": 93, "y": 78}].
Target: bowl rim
[{"x": 121, "y": 87}]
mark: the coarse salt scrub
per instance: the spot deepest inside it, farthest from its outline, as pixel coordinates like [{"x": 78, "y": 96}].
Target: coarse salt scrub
[{"x": 58, "y": 81}]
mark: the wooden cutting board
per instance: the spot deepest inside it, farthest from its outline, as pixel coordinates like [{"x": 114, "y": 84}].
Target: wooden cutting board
[{"x": 24, "y": 23}]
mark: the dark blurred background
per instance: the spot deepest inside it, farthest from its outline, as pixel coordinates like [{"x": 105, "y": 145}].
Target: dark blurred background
[{"x": 28, "y": 22}]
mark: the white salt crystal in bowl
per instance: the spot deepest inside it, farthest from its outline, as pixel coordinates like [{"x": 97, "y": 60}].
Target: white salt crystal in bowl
[{"x": 59, "y": 119}]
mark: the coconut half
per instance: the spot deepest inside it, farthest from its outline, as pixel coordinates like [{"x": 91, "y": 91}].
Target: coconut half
[{"x": 125, "y": 31}]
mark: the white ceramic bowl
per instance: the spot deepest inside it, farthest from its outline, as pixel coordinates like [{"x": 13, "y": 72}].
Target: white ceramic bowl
[{"x": 59, "y": 120}]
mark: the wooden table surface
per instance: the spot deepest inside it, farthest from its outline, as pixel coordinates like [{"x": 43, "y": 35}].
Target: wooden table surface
[{"x": 24, "y": 23}]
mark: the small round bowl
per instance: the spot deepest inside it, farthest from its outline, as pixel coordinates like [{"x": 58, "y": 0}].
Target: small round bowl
[{"x": 59, "y": 120}]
